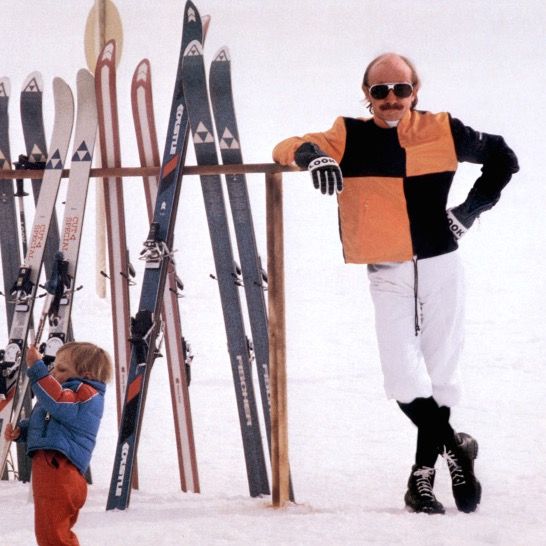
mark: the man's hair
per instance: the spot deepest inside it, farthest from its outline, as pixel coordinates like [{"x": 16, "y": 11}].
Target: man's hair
[
  {"x": 88, "y": 360},
  {"x": 415, "y": 79}
]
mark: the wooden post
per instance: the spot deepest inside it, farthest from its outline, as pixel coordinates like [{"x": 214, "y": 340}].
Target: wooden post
[{"x": 280, "y": 473}]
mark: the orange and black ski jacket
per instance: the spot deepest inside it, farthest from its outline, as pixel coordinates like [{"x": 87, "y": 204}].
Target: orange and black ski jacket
[{"x": 396, "y": 181}]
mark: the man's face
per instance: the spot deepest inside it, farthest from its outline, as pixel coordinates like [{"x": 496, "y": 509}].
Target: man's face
[{"x": 391, "y": 108}]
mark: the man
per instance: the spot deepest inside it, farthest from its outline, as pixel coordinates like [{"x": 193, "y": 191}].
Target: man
[{"x": 395, "y": 170}]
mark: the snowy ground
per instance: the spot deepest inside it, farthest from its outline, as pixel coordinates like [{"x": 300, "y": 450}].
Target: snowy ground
[{"x": 350, "y": 449}]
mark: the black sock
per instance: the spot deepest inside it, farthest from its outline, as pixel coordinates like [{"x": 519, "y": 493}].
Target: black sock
[{"x": 433, "y": 428}]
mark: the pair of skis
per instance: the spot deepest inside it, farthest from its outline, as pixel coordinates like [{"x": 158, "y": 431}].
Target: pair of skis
[
  {"x": 178, "y": 357},
  {"x": 60, "y": 287},
  {"x": 146, "y": 325},
  {"x": 253, "y": 274},
  {"x": 195, "y": 90}
]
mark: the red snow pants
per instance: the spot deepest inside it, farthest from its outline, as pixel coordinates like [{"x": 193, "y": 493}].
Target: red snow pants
[{"x": 59, "y": 492}]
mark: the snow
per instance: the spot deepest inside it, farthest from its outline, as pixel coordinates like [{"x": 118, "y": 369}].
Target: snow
[{"x": 297, "y": 65}]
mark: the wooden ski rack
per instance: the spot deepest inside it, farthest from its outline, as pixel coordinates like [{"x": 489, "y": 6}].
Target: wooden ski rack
[{"x": 276, "y": 301}]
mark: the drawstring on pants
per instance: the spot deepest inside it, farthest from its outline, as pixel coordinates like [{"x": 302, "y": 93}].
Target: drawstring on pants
[{"x": 416, "y": 294}]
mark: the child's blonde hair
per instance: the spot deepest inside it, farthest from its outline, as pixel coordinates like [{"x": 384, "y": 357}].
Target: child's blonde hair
[{"x": 88, "y": 359}]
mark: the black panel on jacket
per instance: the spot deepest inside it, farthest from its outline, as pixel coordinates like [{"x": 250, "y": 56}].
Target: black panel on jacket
[
  {"x": 372, "y": 151},
  {"x": 426, "y": 199}
]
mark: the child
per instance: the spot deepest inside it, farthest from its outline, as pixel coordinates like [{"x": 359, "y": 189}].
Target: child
[{"x": 61, "y": 434}]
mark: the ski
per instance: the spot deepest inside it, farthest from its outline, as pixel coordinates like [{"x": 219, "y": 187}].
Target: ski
[
  {"x": 9, "y": 233},
  {"x": 66, "y": 258},
  {"x": 179, "y": 355},
  {"x": 32, "y": 121},
  {"x": 157, "y": 254},
  {"x": 13, "y": 379},
  {"x": 36, "y": 151},
  {"x": 31, "y": 109},
  {"x": 253, "y": 275},
  {"x": 195, "y": 90},
  {"x": 119, "y": 274}
]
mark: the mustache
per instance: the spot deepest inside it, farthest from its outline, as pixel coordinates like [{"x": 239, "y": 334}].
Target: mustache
[{"x": 393, "y": 106}]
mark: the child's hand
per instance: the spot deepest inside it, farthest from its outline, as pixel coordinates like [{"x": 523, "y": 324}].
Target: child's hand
[
  {"x": 33, "y": 356},
  {"x": 11, "y": 432}
]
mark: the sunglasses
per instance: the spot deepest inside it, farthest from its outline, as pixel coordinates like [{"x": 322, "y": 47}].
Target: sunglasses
[{"x": 381, "y": 90}]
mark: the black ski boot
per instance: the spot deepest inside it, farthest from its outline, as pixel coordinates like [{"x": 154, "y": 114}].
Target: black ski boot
[
  {"x": 460, "y": 456},
  {"x": 419, "y": 496}
]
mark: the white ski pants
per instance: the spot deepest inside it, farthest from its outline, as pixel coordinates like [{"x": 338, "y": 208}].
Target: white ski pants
[{"x": 428, "y": 293}]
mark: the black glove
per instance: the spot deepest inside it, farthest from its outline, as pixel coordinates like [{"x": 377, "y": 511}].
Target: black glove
[
  {"x": 324, "y": 170},
  {"x": 461, "y": 217}
]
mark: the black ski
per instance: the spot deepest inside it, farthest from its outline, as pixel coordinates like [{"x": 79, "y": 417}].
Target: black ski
[
  {"x": 195, "y": 90},
  {"x": 146, "y": 324}
]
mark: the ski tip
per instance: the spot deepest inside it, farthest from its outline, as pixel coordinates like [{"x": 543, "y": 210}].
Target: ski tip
[
  {"x": 108, "y": 53},
  {"x": 142, "y": 72},
  {"x": 84, "y": 75},
  {"x": 205, "y": 21},
  {"x": 5, "y": 87},
  {"x": 192, "y": 15},
  {"x": 222, "y": 55},
  {"x": 60, "y": 86},
  {"x": 191, "y": 11},
  {"x": 33, "y": 83}
]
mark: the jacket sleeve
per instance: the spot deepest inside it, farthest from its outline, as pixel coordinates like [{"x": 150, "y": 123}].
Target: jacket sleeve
[
  {"x": 63, "y": 404},
  {"x": 498, "y": 161},
  {"x": 331, "y": 142}
]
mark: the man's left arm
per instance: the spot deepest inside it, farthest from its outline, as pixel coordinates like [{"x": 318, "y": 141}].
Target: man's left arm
[{"x": 498, "y": 162}]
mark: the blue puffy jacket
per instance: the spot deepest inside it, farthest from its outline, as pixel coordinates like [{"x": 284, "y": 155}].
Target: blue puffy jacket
[{"x": 66, "y": 417}]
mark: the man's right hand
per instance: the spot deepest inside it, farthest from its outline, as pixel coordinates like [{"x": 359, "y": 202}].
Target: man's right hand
[{"x": 324, "y": 170}]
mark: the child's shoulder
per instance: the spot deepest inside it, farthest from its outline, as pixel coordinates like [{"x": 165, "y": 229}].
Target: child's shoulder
[{"x": 87, "y": 389}]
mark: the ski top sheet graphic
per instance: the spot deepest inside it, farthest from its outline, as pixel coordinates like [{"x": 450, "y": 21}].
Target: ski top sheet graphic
[
  {"x": 146, "y": 324},
  {"x": 119, "y": 275},
  {"x": 179, "y": 355},
  {"x": 76, "y": 197},
  {"x": 14, "y": 382},
  {"x": 195, "y": 90}
]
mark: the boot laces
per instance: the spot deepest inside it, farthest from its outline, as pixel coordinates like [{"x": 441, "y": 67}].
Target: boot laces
[
  {"x": 423, "y": 481},
  {"x": 455, "y": 468}
]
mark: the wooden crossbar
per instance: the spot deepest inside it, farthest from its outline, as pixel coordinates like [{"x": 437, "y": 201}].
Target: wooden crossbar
[{"x": 111, "y": 172}]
